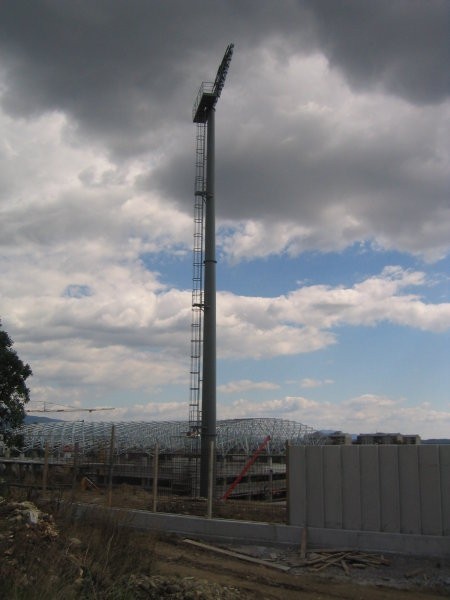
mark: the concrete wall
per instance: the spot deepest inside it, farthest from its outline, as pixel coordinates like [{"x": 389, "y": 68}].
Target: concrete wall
[
  {"x": 391, "y": 489},
  {"x": 244, "y": 532}
]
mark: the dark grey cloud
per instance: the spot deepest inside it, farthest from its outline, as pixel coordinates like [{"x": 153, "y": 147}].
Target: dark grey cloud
[
  {"x": 402, "y": 46},
  {"x": 383, "y": 180},
  {"x": 127, "y": 71},
  {"x": 120, "y": 69}
]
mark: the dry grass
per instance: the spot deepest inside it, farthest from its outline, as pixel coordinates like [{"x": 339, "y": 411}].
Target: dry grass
[
  {"x": 133, "y": 497},
  {"x": 96, "y": 557},
  {"x": 63, "y": 558}
]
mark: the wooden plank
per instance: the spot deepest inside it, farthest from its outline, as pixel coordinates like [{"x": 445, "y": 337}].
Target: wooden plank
[
  {"x": 331, "y": 561},
  {"x": 345, "y": 567},
  {"x": 237, "y": 555}
]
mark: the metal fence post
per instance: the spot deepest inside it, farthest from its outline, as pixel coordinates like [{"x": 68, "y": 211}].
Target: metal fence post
[
  {"x": 155, "y": 476},
  {"x": 45, "y": 472},
  {"x": 288, "y": 503},
  {"x": 75, "y": 469},
  {"x": 211, "y": 471},
  {"x": 111, "y": 464}
]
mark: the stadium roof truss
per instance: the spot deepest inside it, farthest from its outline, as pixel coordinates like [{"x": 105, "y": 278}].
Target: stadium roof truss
[{"x": 235, "y": 436}]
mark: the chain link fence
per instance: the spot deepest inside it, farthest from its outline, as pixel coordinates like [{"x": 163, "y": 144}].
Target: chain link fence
[
  {"x": 156, "y": 465},
  {"x": 243, "y": 486}
]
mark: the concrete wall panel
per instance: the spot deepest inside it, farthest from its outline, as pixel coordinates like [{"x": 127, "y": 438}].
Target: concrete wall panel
[
  {"x": 430, "y": 490},
  {"x": 389, "y": 488},
  {"x": 444, "y": 460},
  {"x": 314, "y": 487},
  {"x": 351, "y": 488},
  {"x": 297, "y": 484},
  {"x": 408, "y": 463},
  {"x": 370, "y": 488},
  {"x": 332, "y": 481}
]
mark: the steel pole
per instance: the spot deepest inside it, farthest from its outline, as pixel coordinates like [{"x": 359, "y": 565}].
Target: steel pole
[
  {"x": 208, "y": 432},
  {"x": 155, "y": 476}
]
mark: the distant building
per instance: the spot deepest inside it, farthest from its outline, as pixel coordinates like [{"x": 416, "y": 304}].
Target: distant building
[
  {"x": 387, "y": 438},
  {"x": 412, "y": 439},
  {"x": 338, "y": 438}
]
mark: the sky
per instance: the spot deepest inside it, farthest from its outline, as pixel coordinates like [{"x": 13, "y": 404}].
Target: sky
[{"x": 332, "y": 194}]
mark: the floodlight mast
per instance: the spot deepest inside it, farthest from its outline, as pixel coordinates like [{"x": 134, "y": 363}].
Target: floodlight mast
[
  {"x": 209, "y": 93},
  {"x": 204, "y": 113}
]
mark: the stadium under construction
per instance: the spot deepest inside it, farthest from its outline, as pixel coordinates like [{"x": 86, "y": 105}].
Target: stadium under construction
[
  {"x": 249, "y": 456},
  {"x": 235, "y": 436}
]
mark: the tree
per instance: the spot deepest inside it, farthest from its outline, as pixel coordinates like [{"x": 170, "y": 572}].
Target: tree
[{"x": 14, "y": 393}]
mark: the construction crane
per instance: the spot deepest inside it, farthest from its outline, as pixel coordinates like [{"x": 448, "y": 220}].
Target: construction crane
[{"x": 45, "y": 409}]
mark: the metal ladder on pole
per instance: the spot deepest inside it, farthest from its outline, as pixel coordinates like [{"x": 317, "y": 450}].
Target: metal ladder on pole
[{"x": 197, "y": 285}]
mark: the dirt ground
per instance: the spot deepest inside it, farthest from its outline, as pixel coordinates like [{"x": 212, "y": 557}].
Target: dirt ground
[
  {"x": 81, "y": 562},
  {"x": 403, "y": 579}
]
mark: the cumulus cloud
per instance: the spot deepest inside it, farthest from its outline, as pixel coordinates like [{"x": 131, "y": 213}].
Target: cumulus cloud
[
  {"x": 325, "y": 137},
  {"x": 319, "y": 167},
  {"x": 307, "y": 382},
  {"x": 151, "y": 411},
  {"x": 366, "y": 413},
  {"x": 131, "y": 332},
  {"x": 243, "y": 385},
  {"x": 307, "y": 319}
]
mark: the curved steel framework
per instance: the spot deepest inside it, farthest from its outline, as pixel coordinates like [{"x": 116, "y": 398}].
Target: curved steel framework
[{"x": 235, "y": 436}]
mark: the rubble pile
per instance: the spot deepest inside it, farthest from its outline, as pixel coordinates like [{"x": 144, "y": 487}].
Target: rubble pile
[
  {"x": 30, "y": 545},
  {"x": 186, "y": 588}
]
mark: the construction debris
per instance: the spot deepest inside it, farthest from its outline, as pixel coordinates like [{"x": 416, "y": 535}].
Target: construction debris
[
  {"x": 19, "y": 514},
  {"x": 238, "y": 555},
  {"x": 316, "y": 561},
  {"x": 179, "y": 588},
  {"x": 346, "y": 559}
]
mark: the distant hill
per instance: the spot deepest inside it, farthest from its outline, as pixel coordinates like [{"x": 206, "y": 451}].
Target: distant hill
[{"x": 436, "y": 441}]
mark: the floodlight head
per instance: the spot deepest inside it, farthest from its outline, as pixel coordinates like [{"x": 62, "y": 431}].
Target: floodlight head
[
  {"x": 222, "y": 71},
  {"x": 209, "y": 93}
]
